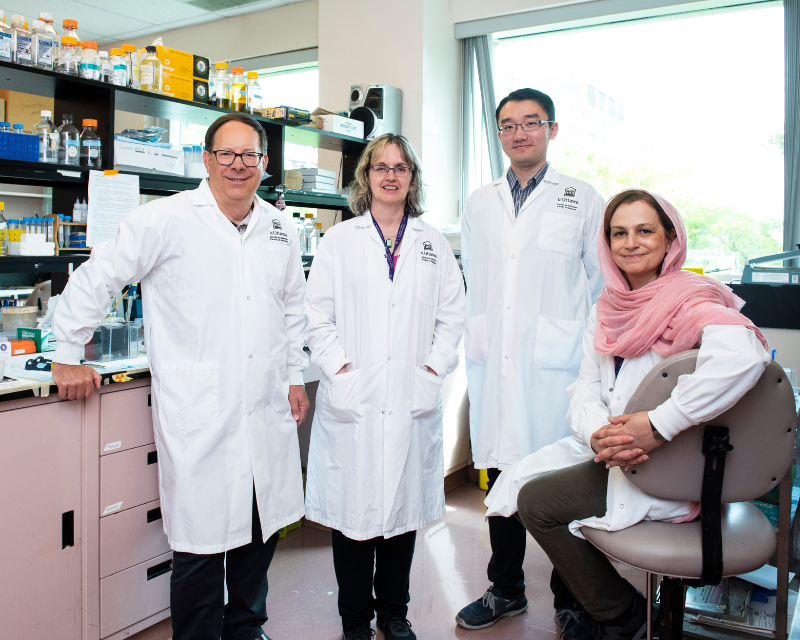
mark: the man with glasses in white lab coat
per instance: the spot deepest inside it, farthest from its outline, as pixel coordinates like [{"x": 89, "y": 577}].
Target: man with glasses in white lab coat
[
  {"x": 223, "y": 290},
  {"x": 529, "y": 250}
]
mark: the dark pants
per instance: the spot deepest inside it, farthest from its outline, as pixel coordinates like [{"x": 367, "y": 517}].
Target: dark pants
[
  {"x": 355, "y": 561},
  {"x": 197, "y": 590},
  {"x": 547, "y": 505},
  {"x": 508, "y": 540}
]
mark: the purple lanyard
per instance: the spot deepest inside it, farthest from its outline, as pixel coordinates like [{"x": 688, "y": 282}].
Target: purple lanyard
[{"x": 397, "y": 241}]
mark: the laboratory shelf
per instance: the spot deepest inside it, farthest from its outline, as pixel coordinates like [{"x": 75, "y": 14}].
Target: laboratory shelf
[{"x": 41, "y": 264}]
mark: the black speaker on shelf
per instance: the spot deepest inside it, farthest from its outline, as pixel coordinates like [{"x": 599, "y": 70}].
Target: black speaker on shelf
[{"x": 378, "y": 106}]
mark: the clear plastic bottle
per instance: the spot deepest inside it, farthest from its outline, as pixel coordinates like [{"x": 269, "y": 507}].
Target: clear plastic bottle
[
  {"x": 238, "y": 90},
  {"x": 3, "y": 231},
  {"x": 17, "y": 128},
  {"x": 132, "y": 63},
  {"x": 43, "y": 129},
  {"x": 6, "y": 36},
  {"x": 22, "y": 41},
  {"x": 84, "y": 211},
  {"x": 45, "y": 47},
  {"x": 119, "y": 69},
  {"x": 5, "y": 127},
  {"x": 150, "y": 71},
  {"x": 68, "y": 142},
  {"x": 301, "y": 230},
  {"x": 105, "y": 66},
  {"x": 77, "y": 209},
  {"x": 311, "y": 234},
  {"x": 91, "y": 150},
  {"x": 90, "y": 61},
  {"x": 49, "y": 29},
  {"x": 71, "y": 30},
  {"x": 254, "y": 93},
  {"x": 222, "y": 86},
  {"x": 68, "y": 59}
]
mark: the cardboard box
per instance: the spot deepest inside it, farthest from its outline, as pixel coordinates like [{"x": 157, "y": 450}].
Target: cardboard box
[
  {"x": 342, "y": 125},
  {"x": 290, "y": 114},
  {"x": 191, "y": 89},
  {"x": 43, "y": 339},
  {"x": 21, "y": 347},
  {"x": 181, "y": 63},
  {"x": 142, "y": 156}
]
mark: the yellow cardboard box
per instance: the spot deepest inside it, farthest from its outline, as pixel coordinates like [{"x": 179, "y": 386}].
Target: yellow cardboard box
[
  {"x": 181, "y": 63},
  {"x": 192, "y": 89}
]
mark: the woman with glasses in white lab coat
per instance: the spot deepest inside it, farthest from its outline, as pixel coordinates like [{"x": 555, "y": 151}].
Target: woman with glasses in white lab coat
[{"x": 386, "y": 307}]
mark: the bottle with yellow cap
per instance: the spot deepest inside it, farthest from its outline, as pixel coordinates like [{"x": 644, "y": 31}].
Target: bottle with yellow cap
[
  {"x": 254, "y": 93},
  {"x": 71, "y": 30},
  {"x": 68, "y": 58},
  {"x": 91, "y": 151},
  {"x": 132, "y": 63},
  {"x": 238, "y": 90},
  {"x": 150, "y": 71},
  {"x": 90, "y": 61},
  {"x": 3, "y": 231},
  {"x": 222, "y": 86},
  {"x": 6, "y": 36}
]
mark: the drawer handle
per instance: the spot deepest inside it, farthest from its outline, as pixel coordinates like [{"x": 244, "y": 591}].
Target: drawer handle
[
  {"x": 159, "y": 569},
  {"x": 152, "y": 457},
  {"x": 148, "y": 400},
  {"x": 67, "y": 529},
  {"x": 153, "y": 515}
]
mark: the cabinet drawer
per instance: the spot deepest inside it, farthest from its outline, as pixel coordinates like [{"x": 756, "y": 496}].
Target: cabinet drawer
[
  {"x": 134, "y": 594},
  {"x": 131, "y": 537},
  {"x": 126, "y": 420},
  {"x": 128, "y": 479}
]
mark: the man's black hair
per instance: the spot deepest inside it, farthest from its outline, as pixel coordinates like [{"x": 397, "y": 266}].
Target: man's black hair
[{"x": 528, "y": 94}]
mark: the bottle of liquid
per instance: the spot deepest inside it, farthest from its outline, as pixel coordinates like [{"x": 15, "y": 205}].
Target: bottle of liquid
[
  {"x": 105, "y": 66},
  {"x": 301, "y": 231},
  {"x": 6, "y": 36},
  {"x": 22, "y": 41},
  {"x": 45, "y": 47},
  {"x": 119, "y": 69},
  {"x": 150, "y": 72},
  {"x": 84, "y": 211},
  {"x": 90, "y": 61},
  {"x": 49, "y": 29},
  {"x": 310, "y": 232},
  {"x": 238, "y": 90},
  {"x": 91, "y": 151},
  {"x": 3, "y": 231},
  {"x": 68, "y": 59},
  {"x": 5, "y": 127},
  {"x": 17, "y": 128},
  {"x": 222, "y": 86},
  {"x": 68, "y": 142},
  {"x": 254, "y": 93},
  {"x": 43, "y": 129},
  {"x": 77, "y": 209},
  {"x": 132, "y": 63},
  {"x": 71, "y": 30}
]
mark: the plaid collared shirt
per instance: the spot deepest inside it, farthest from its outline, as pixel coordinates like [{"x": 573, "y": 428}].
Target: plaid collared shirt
[
  {"x": 242, "y": 226},
  {"x": 518, "y": 193}
]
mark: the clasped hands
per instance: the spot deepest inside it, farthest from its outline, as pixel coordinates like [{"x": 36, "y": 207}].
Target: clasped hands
[{"x": 625, "y": 441}]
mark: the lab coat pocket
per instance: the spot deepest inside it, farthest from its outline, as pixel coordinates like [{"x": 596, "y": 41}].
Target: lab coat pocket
[
  {"x": 558, "y": 344},
  {"x": 476, "y": 340},
  {"x": 560, "y": 233},
  {"x": 189, "y": 398},
  {"x": 280, "y": 394},
  {"x": 344, "y": 397},
  {"x": 426, "y": 284},
  {"x": 276, "y": 258},
  {"x": 426, "y": 394}
]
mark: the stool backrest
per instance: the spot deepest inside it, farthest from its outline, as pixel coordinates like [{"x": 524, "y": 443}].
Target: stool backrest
[{"x": 761, "y": 426}]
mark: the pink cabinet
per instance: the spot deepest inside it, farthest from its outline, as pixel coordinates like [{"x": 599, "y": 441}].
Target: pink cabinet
[
  {"x": 126, "y": 420},
  {"x": 131, "y": 537},
  {"x": 128, "y": 479}
]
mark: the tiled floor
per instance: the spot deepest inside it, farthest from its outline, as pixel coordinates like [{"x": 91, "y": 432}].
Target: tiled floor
[{"x": 449, "y": 571}]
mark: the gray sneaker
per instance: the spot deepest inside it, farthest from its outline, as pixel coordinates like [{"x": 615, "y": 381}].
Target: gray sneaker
[
  {"x": 486, "y": 611},
  {"x": 576, "y": 624}
]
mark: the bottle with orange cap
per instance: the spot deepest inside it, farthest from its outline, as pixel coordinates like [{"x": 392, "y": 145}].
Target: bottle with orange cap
[
  {"x": 68, "y": 58},
  {"x": 119, "y": 68},
  {"x": 91, "y": 150},
  {"x": 222, "y": 86},
  {"x": 90, "y": 61},
  {"x": 238, "y": 90},
  {"x": 132, "y": 63},
  {"x": 71, "y": 30},
  {"x": 254, "y": 93}
]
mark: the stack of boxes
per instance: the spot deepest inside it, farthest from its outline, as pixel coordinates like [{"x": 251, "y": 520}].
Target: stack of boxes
[
  {"x": 183, "y": 75},
  {"x": 319, "y": 180}
]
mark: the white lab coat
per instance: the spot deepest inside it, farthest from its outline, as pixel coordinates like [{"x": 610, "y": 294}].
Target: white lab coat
[
  {"x": 531, "y": 282},
  {"x": 375, "y": 464},
  {"x": 730, "y": 362},
  {"x": 224, "y": 325}
]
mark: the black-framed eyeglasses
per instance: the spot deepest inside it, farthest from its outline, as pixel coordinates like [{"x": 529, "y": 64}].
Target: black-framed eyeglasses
[
  {"x": 382, "y": 169},
  {"x": 227, "y": 158},
  {"x": 531, "y": 125}
]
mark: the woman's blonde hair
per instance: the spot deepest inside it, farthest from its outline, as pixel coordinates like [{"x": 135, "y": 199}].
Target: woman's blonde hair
[{"x": 359, "y": 193}]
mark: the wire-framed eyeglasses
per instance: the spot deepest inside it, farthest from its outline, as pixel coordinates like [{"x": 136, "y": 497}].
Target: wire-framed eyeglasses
[
  {"x": 400, "y": 170},
  {"x": 528, "y": 127},
  {"x": 227, "y": 158}
]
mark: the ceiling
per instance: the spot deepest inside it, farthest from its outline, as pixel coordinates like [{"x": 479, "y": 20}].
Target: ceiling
[{"x": 109, "y": 21}]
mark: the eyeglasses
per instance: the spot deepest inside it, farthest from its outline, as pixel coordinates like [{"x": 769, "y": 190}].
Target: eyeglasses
[
  {"x": 227, "y": 158},
  {"x": 532, "y": 125},
  {"x": 400, "y": 171}
]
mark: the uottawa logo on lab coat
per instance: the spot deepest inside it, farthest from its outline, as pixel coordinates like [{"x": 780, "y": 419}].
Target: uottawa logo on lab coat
[
  {"x": 277, "y": 234},
  {"x": 427, "y": 253},
  {"x": 568, "y": 201}
]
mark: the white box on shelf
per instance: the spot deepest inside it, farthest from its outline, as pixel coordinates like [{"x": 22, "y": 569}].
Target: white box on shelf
[
  {"x": 31, "y": 248},
  {"x": 142, "y": 156},
  {"x": 345, "y": 126}
]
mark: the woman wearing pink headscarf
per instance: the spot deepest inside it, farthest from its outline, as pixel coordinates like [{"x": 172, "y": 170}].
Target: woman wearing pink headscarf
[{"x": 649, "y": 310}]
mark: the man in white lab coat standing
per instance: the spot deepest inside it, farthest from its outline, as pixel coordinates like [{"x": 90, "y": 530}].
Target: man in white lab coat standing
[
  {"x": 223, "y": 310},
  {"x": 529, "y": 250}
]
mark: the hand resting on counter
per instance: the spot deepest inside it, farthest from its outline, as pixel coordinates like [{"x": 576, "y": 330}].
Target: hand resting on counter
[{"x": 75, "y": 382}]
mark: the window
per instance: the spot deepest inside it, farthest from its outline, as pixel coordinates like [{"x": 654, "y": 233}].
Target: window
[{"x": 678, "y": 128}]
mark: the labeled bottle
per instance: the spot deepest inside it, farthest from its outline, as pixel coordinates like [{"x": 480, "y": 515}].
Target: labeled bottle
[
  {"x": 150, "y": 71},
  {"x": 68, "y": 58},
  {"x": 22, "y": 41},
  {"x": 90, "y": 61},
  {"x": 77, "y": 209},
  {"x": 238, "y": 90},
  {"x": 311, "y": 234},
  {"x": 44, "y": 129},
  {"x": 91, "y": 150},
  {"x": 68, "y": 142},
  {"x": 132, "y": 62},
  {"x": 3, "y": 231},
  {"x": 105, "y": 66},
  {"x": 71, "y": 30},
  {"x": 119, "y": 69},
  {"x": 254, "y": 93},
  {"x": 301, "y": 230},
  {"x": 6, "y": 36},
  {"x": 49, "y": 29},
  {"x": 45, "y": 47},
  {"x": 222, "y": 86}
]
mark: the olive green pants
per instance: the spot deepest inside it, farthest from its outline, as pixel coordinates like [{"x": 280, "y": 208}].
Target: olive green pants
[{"x": 546, "y": 506}]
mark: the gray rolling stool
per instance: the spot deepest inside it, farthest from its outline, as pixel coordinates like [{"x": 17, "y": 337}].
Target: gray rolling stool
[{"x": 736, "y": 457}]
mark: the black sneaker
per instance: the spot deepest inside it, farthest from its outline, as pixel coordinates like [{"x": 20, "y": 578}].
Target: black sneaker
[
  {"x": 633, "y": 625},
  {"x": 487, "y": 610},
  {"x": 576, "y": 624},
  {"x": 360, "y": 631},
  {"x": 396, "y": 628}
]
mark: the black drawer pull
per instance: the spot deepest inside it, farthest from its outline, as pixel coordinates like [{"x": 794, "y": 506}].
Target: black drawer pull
[
  {"x": 159, "y": 569},
  {"x": 67, "y": 529},
  {"x": 152, "y": 457},
  {"x": 154, "y": 514},
  {"x": 148, "y": 400}
]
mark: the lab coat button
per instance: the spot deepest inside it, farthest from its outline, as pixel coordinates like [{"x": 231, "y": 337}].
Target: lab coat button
[
  {"x": 248, "y": 297},
  {"x": 617, "y": 397},
  {"x": 622, "y": 506},
  {"x": 249, "y": 413},
  {"x": 508, "y": 307},
  {"x": 251, "y": 355},
  {"x": 507, "y": 359},
  {"x": 390, "y": 413},
  {"x": 512, "y": 257},
  {"x": 389, "y": 358},
  {"x": 383, "y": 412},
  {"x": 611, "y": 389}
]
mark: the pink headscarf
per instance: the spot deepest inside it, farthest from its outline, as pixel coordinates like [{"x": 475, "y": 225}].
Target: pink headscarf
[{"x": 670, "y": 313}]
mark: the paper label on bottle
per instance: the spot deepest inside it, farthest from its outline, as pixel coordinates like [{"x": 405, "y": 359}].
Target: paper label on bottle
[
  {"x": 45, "y": 53},
  {"x": 112, "y": 508},
  {"x": 23, "y": 48},
  {"x": 147, "y": 74},
  {"x": 111, "y": 446},
  {"x": 72, "y": 148},
  {"x": 5, "y": 45}
]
